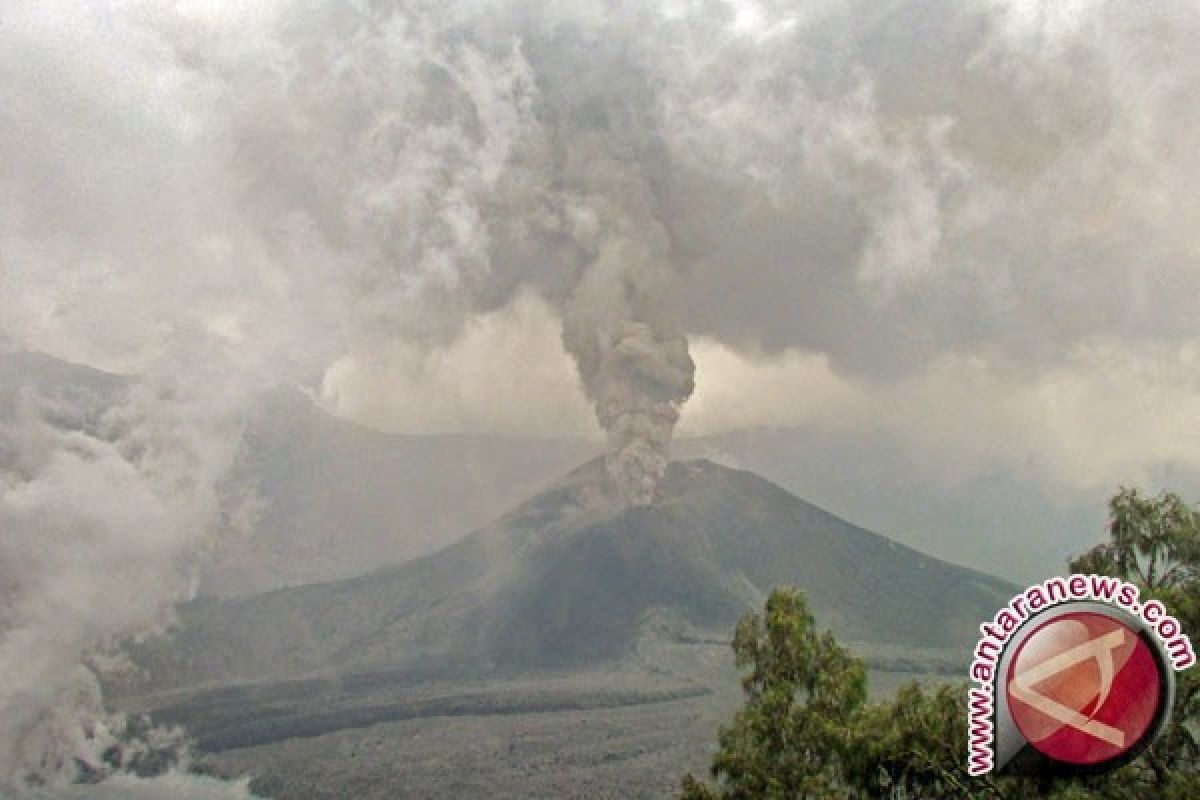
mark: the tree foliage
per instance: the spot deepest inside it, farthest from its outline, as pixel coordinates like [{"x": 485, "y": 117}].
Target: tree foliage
[{"x": 806, "y": 729}]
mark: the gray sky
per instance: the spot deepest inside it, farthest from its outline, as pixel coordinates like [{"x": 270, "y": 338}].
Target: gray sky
[{"x": 968, "y": 226}]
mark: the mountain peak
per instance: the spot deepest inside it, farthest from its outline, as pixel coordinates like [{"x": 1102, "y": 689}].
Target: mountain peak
[
  {"x": 571, "y": 576},
  {"x": 588, "y": 491}
]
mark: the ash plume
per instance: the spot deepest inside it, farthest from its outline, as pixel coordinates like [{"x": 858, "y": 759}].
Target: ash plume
[
  {"x": 636, "y": 371},
  {"x": 587, "y": 191},
  {"x": 619, "y": 321}
]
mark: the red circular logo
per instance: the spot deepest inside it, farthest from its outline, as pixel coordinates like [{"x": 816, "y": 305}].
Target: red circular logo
[{"x": 1084, "y": 688}]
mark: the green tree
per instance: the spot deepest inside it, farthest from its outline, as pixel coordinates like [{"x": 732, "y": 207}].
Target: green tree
[
  {"x": 806, "y": 730},
  {"x": 1154, "y": 542},
  {"x": 787, "y": 739}
]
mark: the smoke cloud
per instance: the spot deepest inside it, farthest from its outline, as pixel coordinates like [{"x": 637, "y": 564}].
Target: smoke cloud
[
  {"x": 618, "y": 325},
  {"x": 638, "y": 378},
  {"x": 218, "y": 202},
  {"x": 105, "y": 512},
  {"x": 216, "y": 215}
]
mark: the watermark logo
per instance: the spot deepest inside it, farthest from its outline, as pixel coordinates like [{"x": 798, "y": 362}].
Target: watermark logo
[
  {"x": 1084, "y": 688},
  {"x": 1076, "y": 670}
]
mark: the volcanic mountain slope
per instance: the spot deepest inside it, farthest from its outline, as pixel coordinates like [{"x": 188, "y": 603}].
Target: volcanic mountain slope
[
  {"x": 337, "y": 499},
  {"x": 570, "y": 578}
]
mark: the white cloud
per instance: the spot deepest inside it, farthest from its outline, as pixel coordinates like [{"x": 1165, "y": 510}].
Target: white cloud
[
  {"x": 469, "y": 385},
  {"x": 505, "y": 373},
  {"x": 1113, "y": 413},
  {"x": 735, "y": 390}
]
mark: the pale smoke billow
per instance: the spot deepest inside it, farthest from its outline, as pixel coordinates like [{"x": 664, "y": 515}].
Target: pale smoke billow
[
  {"x": 106, "y": 506},
  {"x": 216, "y": 203}
]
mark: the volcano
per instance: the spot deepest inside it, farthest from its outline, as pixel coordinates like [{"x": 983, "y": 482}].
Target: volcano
[{"x": 573, "y": 578}]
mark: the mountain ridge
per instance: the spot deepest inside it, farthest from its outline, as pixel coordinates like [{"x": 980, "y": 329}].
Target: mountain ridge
[{"x": 569, "y": 578}]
